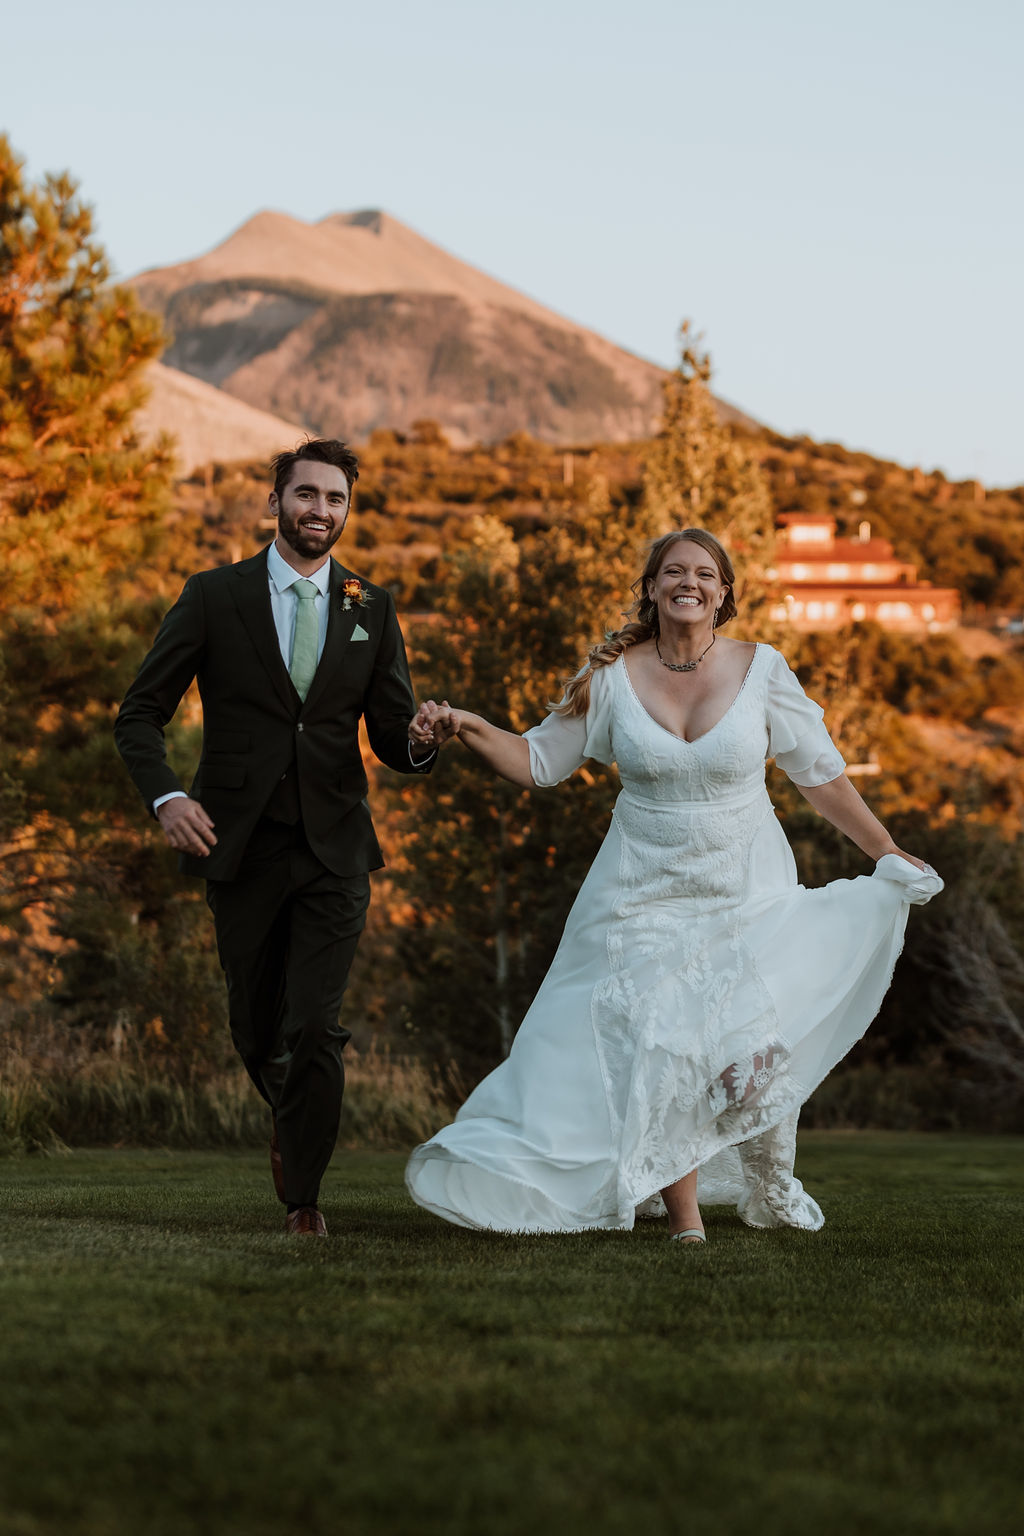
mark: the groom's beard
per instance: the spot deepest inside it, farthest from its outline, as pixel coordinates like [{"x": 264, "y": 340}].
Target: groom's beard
[{"x": 309, "y": 543}]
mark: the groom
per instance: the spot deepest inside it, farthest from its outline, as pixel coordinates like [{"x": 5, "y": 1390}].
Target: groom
[{"x": 290, "y": 650}]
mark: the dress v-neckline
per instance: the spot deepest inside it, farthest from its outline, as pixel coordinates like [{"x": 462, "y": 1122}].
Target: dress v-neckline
[{"x": 691, "y": 741}]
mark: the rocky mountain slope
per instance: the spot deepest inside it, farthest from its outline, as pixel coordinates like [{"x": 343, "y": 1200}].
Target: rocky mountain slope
[{"x": 357, "y": 322}]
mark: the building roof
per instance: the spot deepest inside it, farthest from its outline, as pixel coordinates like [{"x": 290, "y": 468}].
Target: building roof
[
  {"x": 838, "y": 551},
  {"x": 903, "y": 589}
]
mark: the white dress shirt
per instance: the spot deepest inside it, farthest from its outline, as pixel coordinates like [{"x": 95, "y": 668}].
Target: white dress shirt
[{"x": 284, "y": 601}]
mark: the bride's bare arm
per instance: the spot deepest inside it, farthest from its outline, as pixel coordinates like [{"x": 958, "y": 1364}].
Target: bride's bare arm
[
  {"x": 840, "y": 804},
  {"x": 504, "y": 751}
]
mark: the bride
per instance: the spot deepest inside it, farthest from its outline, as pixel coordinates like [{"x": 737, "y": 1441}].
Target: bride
[{"x": 699, "y": 994}]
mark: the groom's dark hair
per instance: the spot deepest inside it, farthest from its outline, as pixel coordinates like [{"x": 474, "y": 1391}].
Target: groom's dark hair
[{"x": 322, "y": 450}]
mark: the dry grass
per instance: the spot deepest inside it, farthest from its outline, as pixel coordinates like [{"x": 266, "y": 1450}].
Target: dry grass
[{"x": 99, "y": 1099}]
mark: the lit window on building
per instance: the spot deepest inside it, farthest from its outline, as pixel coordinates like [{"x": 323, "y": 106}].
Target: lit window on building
[
  {"x": 839, "y": 573},
  {"x": 810, "y": 533}
]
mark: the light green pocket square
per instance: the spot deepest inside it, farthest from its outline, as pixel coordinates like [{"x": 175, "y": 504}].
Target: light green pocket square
[{"x": 359, "y": 633}]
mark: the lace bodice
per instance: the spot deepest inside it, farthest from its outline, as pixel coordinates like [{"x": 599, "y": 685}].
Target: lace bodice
[
  {"x": 770, "y": 716},
  {"x": 689, "y": 810}
]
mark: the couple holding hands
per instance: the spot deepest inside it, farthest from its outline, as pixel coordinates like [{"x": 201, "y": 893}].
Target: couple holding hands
[{"x": 699, "y": 994}]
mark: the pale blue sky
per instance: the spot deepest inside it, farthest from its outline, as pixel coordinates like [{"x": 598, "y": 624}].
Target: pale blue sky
[{"x": 833, "y": 192}]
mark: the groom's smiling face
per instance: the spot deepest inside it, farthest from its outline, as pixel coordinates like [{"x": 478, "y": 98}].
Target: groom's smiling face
[{"x": 312, "y": 509}]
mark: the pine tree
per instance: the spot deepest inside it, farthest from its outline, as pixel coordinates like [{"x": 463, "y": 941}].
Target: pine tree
[
  {"x": 701, "y": 474},
  {"x": 82, "y": 501},
  {"x": 83, "y": 511}
]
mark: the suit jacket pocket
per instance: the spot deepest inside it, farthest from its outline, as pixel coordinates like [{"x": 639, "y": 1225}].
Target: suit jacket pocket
[
  {"x": 228, "y": 741},
  {"x": 222, "y": 775}
]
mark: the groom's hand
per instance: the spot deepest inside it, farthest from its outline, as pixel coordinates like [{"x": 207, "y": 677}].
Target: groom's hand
[
  {"x": 432, "y": 725},
  {"x": 186, "y": 826},
  {"x": 421, "y": 733}
]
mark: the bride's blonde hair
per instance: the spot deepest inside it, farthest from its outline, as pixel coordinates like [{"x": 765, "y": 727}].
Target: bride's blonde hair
[{"x": 642, "y": 616}]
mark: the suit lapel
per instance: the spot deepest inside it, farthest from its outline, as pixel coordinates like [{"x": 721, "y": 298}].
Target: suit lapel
[
  {"x": 251, "y": 592},
  {"x": 340, "y": 625}
]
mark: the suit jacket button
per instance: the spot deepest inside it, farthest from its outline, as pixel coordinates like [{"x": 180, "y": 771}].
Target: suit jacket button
[{"x": 299, "y": 727}]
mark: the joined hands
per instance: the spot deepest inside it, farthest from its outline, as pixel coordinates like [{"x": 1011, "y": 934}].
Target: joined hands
[{"x": 433, "y": 724}]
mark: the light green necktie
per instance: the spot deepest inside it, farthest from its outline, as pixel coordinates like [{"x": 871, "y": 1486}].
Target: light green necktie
[{"x": 305, "y": 641}]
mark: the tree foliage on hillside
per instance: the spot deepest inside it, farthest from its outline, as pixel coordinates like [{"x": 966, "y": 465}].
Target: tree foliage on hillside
[
  {"x": 84, "y": 510},
  {"x": 81, "y": 501}
]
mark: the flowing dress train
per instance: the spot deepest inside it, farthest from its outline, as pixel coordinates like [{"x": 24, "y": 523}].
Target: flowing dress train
[{"x": 699, "y": 993}]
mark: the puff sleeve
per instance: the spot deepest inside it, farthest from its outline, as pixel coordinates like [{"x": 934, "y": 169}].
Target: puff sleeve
[
  {"x": 797, "y": 738},
  {"x": 562, "y": 743}
]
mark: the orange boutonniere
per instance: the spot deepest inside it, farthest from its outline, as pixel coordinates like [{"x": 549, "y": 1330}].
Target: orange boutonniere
[{"x": 353, "y": 591}]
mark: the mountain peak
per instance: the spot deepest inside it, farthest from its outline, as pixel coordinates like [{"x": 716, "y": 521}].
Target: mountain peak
[
  {"x": 358, "y": 320},
  {"x": 373, "y": 219},
  {"x": 337, "y": 255}
]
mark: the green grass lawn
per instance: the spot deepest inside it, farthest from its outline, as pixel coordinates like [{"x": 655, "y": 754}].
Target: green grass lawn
[{"x": 171, "y": 1363}]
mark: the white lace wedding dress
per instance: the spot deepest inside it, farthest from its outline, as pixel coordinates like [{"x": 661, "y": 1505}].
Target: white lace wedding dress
[{"x": 699, "y": 994}]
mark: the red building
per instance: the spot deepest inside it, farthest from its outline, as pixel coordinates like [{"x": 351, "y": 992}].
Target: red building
[{"x": 825, "y": 582}]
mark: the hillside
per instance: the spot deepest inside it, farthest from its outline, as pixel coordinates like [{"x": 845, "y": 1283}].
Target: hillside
[
  {"x": 417, "y": 490},
  {"x": 357, "y": 322},
  {"x": 208, "y": 424}
]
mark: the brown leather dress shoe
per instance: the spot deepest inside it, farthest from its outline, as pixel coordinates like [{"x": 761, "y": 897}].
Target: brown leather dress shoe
[
  {"x": 307, "y": 1221},
  {"x": 276, "y": 1166}
]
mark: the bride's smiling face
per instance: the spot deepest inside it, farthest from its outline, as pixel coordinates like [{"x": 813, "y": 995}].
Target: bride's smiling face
[{"x": 688, "y": 587}]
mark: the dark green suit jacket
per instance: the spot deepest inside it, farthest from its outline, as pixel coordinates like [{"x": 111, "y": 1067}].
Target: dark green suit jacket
[{"x": 256, "y": 728}]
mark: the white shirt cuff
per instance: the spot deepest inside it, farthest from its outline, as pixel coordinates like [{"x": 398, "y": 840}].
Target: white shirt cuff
[{"x": 175, "y": 794}]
